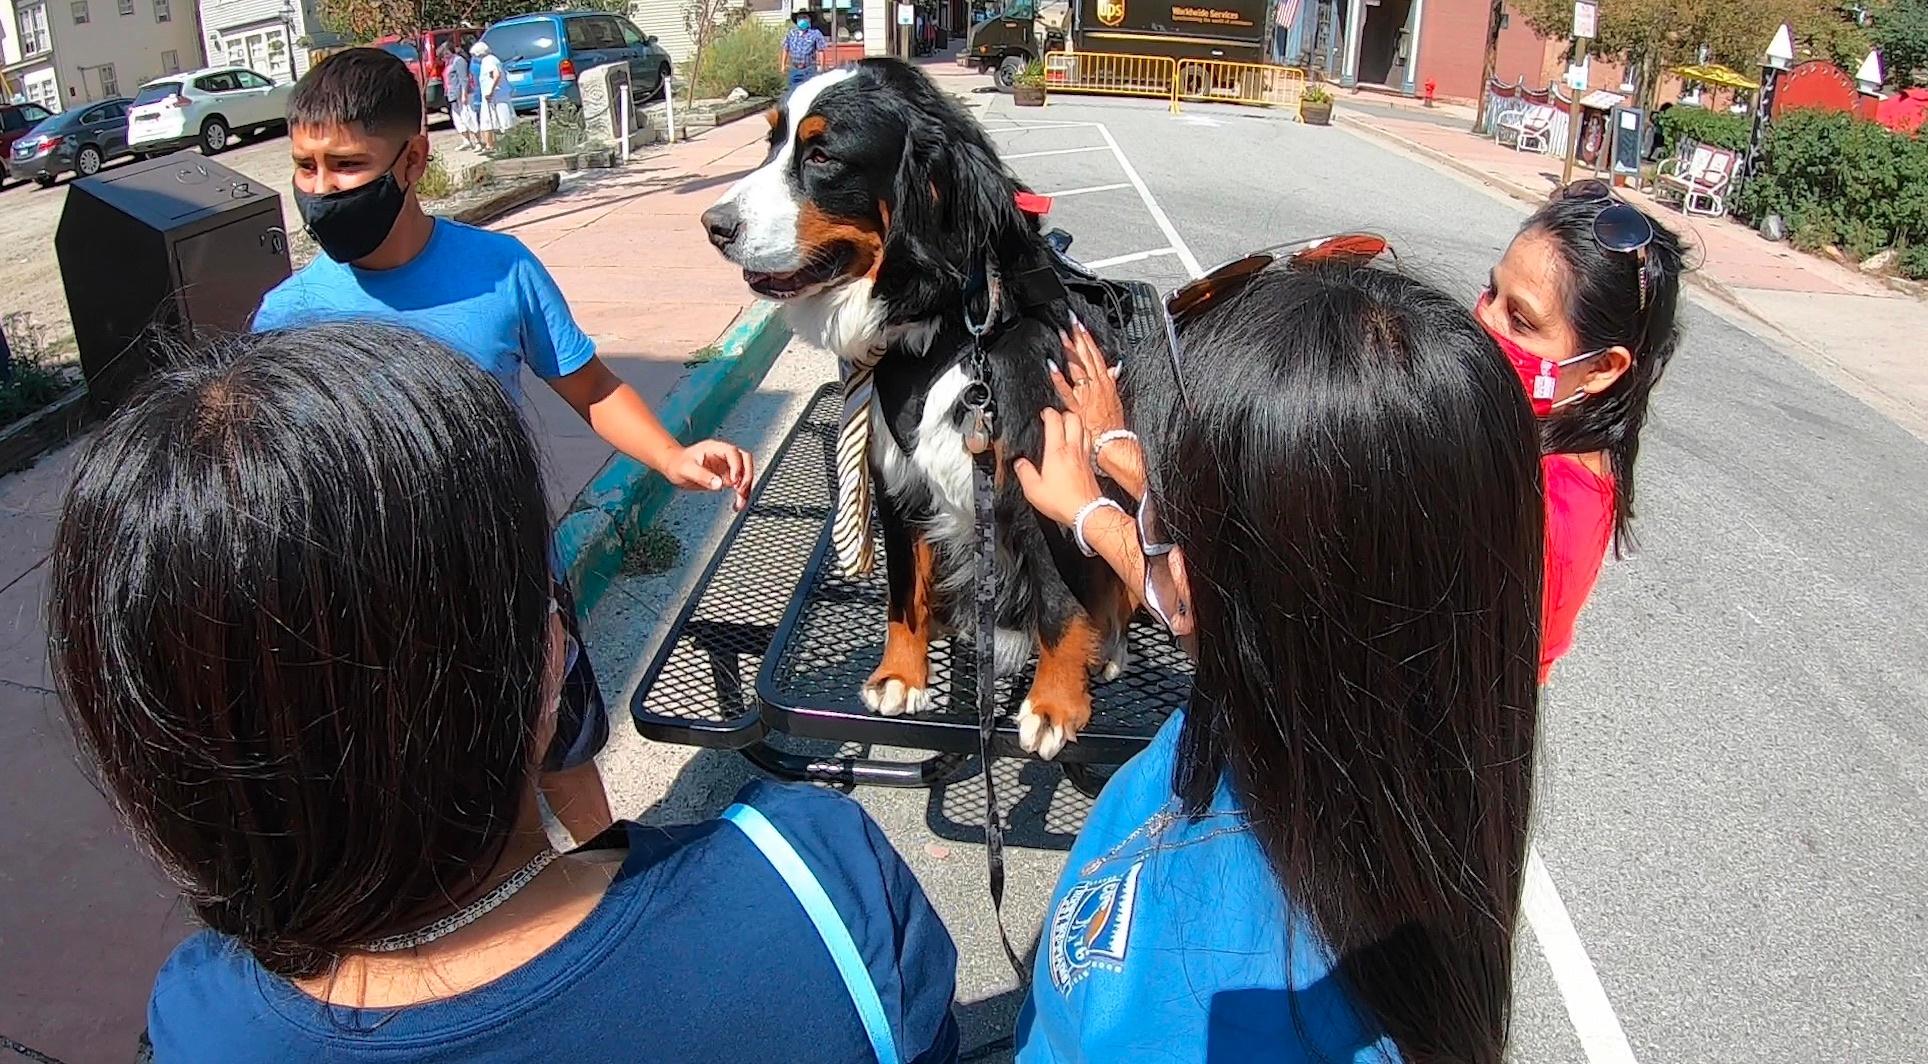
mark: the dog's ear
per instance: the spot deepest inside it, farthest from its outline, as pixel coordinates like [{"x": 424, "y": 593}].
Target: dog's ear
[
  {"x": 954, "y": 205},
  {"x": 917, "y": 272}
]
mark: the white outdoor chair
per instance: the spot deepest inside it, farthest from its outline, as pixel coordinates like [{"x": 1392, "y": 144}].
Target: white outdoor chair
[
  {"x": 1701, "y": 181},
  {"x": 1534, "y": 129}
]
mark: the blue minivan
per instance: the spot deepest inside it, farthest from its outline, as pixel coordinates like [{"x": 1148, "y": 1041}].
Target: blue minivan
[{"x": 543, "y": 54}]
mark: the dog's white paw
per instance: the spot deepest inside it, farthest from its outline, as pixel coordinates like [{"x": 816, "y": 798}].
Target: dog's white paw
[
  {"x": 1038, "y": 735},
  {"x": 1115, "y": 667},
  {"x": 894, "y": 698}
]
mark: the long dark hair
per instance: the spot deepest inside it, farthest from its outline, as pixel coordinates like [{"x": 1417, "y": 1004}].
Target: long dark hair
[
  {"x": 299, "y": 611},
  {"x": 1356, "y": 486},
  {"x": 1612, "y": 298}
]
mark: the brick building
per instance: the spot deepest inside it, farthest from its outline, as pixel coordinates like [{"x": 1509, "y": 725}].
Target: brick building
[{"x": 1401, "y": 44}]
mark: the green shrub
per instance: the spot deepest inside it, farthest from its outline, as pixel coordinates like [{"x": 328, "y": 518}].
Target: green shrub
[
  {"x": 745, "y": 56},
  {"x": 28, "y": 382},
  {"x": 1914, "y": 262},
  {"x": 436, "y": 182},
  {"x": 524, "y": 139},
  {"x": 1717, "y": 128},
  {"x": 1840, "y": 180}
]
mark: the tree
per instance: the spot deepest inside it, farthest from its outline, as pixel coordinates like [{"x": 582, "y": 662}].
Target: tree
[
  {"x": 704, "y": 19},
  {"x": 365, "y": 20},
  {"x": 1654, "y": 35},
  {"x": 1900, "y": 30}
]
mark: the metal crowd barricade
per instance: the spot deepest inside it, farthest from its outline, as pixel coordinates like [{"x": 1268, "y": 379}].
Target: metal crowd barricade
[
  {"x": 1259, "y": 84},
  {"x": 1115, "y": 75}
]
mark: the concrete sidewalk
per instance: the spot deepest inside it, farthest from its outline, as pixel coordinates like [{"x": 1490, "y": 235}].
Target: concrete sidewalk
[
  {"x": 84, "y": 920},
  {"x": 1850, "y": 327}
]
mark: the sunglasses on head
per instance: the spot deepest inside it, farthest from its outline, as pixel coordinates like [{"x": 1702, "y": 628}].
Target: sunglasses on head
[
  {"x": 1620, "y": 226},
  {"x": 1226, "y": 281},
  {"x": 1186, "y": 302}
]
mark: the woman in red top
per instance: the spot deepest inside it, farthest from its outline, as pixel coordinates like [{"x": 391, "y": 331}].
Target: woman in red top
[{"x": 1583, "y": 306}]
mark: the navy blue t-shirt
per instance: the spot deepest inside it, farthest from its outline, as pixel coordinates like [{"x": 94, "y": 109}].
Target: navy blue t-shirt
[{"x": 698, "y": 952}]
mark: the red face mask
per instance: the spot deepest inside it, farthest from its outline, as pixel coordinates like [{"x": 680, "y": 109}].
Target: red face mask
[{"x": 1540, "y": 376}]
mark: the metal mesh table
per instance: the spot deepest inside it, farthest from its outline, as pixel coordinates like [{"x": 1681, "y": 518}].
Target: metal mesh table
[{"x": 771, "y": 605}]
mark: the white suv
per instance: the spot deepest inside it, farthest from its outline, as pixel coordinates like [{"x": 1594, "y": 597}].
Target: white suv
[{"x": 204, "y": 107}]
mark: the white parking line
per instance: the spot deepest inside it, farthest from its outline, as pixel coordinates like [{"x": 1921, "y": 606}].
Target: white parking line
[
  {"x": 1057, "y": 151},
  {"x": 1586, "y": 1000},
  {"x": 1081, "y": 191},
  {"x": 1136, "y": 256},
  {"x": 1157, "y": 213},
  {"x": 1021, "y": 128}
]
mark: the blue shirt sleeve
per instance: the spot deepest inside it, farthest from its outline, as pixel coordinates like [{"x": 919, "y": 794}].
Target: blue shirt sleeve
[
  {"x": 552, "y": 343},
  {"x": 908, "y": 952}
]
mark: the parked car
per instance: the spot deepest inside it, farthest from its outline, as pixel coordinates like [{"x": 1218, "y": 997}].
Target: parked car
[
  {"x": 543, "y": 54},
  {"x": 15, "y": 120},
  {"x": 420, "y": 52},
  {"x": 79, "y": 140},
  {"x": 202, "y": 107}
]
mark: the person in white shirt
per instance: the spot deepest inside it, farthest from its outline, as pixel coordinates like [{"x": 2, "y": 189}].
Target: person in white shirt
[{"x": 498, "y": 110}]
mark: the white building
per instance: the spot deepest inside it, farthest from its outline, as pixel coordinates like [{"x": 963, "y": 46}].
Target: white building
[
  {"x": 59, "y": 53},
  {"x": 271, "y": 37}
]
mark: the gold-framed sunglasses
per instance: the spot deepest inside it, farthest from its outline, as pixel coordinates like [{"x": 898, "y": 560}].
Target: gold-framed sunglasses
[{"x": 1186, "y": 302}]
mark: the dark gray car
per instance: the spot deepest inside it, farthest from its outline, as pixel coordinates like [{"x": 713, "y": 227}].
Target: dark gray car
[{"x": 80, "y": 140}]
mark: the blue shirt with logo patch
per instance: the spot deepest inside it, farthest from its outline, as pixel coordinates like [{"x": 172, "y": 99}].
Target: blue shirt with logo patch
[
  {"x": 483, "y": 294},
  {"x": 1168, "y": 938}
]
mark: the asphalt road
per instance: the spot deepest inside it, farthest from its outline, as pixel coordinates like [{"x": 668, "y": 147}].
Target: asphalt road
[{"x": 1733, "y": 801}]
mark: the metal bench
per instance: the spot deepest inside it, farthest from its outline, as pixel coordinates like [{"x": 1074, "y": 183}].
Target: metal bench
[{"x": 774, "y": 639}]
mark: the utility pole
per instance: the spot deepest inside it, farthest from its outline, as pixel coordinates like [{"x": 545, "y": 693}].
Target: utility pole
[
  {"x": 1494, "y": 15},
  {"x": 1585, "y": 28}
]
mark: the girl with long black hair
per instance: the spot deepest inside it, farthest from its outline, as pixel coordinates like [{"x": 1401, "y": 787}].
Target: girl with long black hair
[
  {"x": 1320, "y": 857},
  {"x": 1583, "y": 305},
  {"x": 304, "y": 626}
]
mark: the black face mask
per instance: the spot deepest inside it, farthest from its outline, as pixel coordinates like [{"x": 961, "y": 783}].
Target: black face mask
[{"x": 352, "y": 223}]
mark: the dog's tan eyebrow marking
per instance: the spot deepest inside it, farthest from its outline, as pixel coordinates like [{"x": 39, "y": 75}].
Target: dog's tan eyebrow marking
[{"x": 811, "y": 128}]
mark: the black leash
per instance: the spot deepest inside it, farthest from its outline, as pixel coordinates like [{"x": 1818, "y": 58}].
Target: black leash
[{"x": 979, "y": 430}]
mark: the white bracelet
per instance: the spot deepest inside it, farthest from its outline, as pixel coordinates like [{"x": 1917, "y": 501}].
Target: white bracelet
[
  {"x": 1107, "y": 438},
  {"x": 1084, "y": 513}
]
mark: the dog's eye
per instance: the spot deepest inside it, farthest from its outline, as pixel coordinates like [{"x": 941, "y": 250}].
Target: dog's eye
[{"x": 816, "y": 157}]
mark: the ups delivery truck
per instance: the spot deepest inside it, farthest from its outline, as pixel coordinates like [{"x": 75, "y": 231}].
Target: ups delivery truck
[{"x": 1232, "y": 30}]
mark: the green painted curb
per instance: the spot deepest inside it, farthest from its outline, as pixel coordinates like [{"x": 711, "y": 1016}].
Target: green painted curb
[{"x": 625, "y": 494}]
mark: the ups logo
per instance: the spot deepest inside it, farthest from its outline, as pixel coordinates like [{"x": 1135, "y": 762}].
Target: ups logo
[{"x": 1111, "y": 12}]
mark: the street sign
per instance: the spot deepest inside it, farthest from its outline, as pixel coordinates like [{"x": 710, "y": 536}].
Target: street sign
[
  {"x": 1586, "y": 19},
  {"x": 906, "y": 14}
]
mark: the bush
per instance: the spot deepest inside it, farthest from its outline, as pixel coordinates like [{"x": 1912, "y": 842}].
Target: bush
[
  {"x": 436, "y": 182},
  {"x": 1841, "y": 180},
  {"x": 524, "y": 139},
  {"x": 1914, "y": 262},
  {"x": 27, "y": 382},
  {"x": 1718, "y": 128},
  {"x": 745, "y": 56}
]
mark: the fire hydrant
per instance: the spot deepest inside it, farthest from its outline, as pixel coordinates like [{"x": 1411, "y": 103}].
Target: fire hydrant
[{"x": 1431, "y": 87}]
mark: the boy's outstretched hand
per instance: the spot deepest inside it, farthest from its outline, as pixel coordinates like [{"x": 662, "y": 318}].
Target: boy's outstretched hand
[{"x": 712, "y": 465}]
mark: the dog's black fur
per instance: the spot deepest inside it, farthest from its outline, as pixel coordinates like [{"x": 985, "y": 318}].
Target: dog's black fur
[{"x": 884, "y": 156}]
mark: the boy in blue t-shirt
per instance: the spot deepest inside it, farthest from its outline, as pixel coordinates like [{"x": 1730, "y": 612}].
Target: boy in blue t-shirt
[{"x": 355, "y": 129}]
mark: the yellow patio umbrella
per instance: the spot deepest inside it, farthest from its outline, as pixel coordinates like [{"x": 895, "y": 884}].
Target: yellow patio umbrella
[{"x": 1716, "y": 75}]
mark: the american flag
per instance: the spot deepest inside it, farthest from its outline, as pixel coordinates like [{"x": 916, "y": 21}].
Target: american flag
[{"x": 1288, "y": 14}]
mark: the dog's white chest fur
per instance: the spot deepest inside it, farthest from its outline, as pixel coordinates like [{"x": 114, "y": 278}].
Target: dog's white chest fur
[{"x": 938, "y": 467}]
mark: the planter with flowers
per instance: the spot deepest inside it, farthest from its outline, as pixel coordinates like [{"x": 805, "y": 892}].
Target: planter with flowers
[
  {"x": 1315, "y": 106},
  {"x": 1027, "y": 89}
]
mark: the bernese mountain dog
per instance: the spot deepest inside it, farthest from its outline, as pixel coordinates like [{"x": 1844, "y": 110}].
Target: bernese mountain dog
[{"x": 878, "y": 216}]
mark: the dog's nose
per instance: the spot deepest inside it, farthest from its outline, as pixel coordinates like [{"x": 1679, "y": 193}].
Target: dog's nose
[{"x": 722, "y": 224}]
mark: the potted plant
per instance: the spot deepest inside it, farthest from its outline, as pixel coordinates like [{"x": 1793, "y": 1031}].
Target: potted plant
[
  {"x": 1027, "y": 89},
  {"x": 1315, "y": 106}
]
